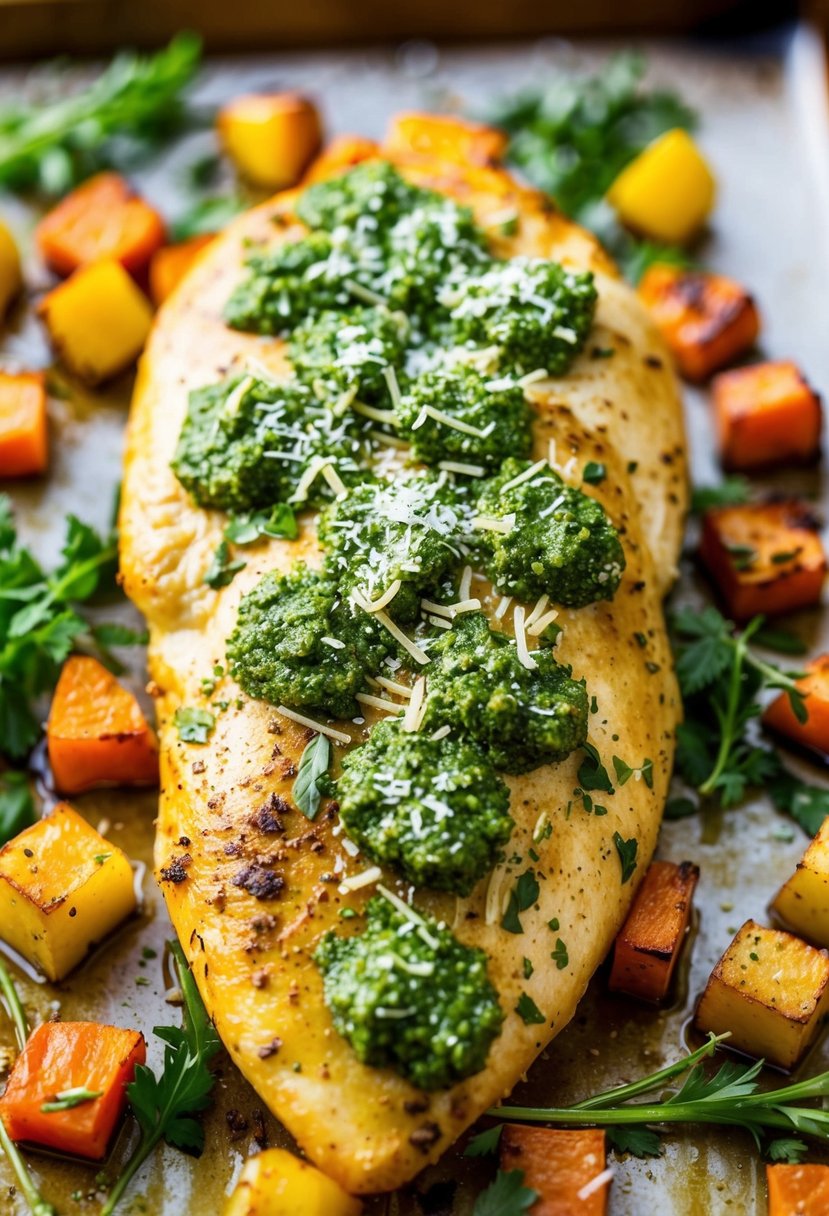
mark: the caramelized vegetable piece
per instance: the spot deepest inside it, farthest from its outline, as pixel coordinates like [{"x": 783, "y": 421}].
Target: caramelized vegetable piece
[
  {"x": 103, "y": 218},
  {"x": 803, "y": 901},
  {"x": 270, "y": 137},
  {"x": 649, "y": 945},
  {"x": 771, "y": 991},
  {"x": 667, "y": 192},
  {"x": 563, "y": 1166},
  {"x": 63, "y": 888},
  {"x": 62, "y": 1062},
  {"x": 707, "y": 320},
  {"x": 96, "y": 733},
  {"x": 764, "y": 557},
  {"x": 798, "y": 1190},
  {"x": 24, "y": 437},
  {"x": 11, "y": 276},
  {"x": 814, "y": 732},
  {"x": 341, "y": 153},
  {"x": 276, "y": 1183},
  {"x": 98, "y": 320},
  {"x": 444, "y": 138},
  {"x": 766, "y": 415},
  {"x": 171, "y": 263}
]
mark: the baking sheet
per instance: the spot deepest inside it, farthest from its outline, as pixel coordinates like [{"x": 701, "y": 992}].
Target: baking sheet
[{"x": 764, "y": 129}]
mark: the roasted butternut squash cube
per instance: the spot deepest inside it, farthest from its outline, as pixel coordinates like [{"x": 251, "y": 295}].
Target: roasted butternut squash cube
[
  {"x": 566, "y": 1167},
  {"x": 803, "y": 900},
  {"x": 101, "y": 218},
  {"x": 24, "y": 432},
  {"x": 812, "y": 734},
  {"x": 648, "y": 947},
  {"x": 98, "y": 320},
  {"x": 667, "y": 192},
  {"x": 766, "y": 415},
  {"x": 63, "y": 888},
  {"x": 706, "y": 319},
  {"x": 442, "y": 137},
  {"x": 764, "y": 557},
  {"x": 270, "y": 137},
  {"x": 65, "y": 1057},
  {"x": 11, "y": 275},
  {"x": 771, "y": 991},
  {"x": 341, "y": 153},
  {"x": 96, "y": 733},
  {"x": 171, "y": 263},
  {"x": 798, "y": 1190},
  {"x": 276, "y": 1183}
]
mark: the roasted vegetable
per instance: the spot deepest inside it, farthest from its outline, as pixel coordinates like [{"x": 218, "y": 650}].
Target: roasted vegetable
[
  {"x": 11, "y": 276},
  {"x": 771, "y": 991},
  {"x": 648, "y": 947},
  {"x": 103, "y": 218},
  {"x": 813, "y": 732},
  {"x": 798, "y": 1190},
  {"x": 277, "y": 1183},
  {"x": 765, "y": 558},
  {"x": 343, "y": 152},
  {"x": 63, "y": 888},
  {"x": 67, "y": 1090},
  {"x": 802, "y": 903},
  {"x": 707, "y": 320},
  {"x": 171, "y": 263},
  {"x": 270, "y": 137},
  {"x": 566, "y": 1168},
  {"x": 96, "y": 732},
  {"x": 667, "y": 192},
  {"x": 24, "y": 437},
  {"x": 451, "y": 139},
  {"x": 766, "y": 415},
  {"x": 98, "y": 320}
]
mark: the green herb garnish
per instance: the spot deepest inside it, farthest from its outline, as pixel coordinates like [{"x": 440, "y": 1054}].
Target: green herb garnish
[
  {"x": 194, "y": 725},
  {"x": 313, "y": 765}
]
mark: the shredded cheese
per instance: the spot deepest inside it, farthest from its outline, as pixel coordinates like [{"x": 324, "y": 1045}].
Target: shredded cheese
[
  {"x": 496, "y": 897},
  {"x": 390, "y": 441},
  {"x": 503, "y": 605},
  {"x": 338, "y": 736},
  {"x": 524, "y": 656},
  {"x": 540, "y": 826},
  {"x": 457, "y": 466},
  {"x": 365, "y": 293},
  {"x": 595, "y": 1184},
  {"x": 333, "y": 478},
  {"x": 386, "y": 598},
  {"x": 440, "y": 621},
  {"x": 537, "y": 628},
  {"x": 307, "y": 479},
  {"x": 389, "y": 707},
  {"x": 540, "y": 373},
  {"x": 390, "y": 376},
  {"x": 356, "y": 881},
  {"x": 396, "y": 632},
  {"x": 416, "y": 707},
  {"x": 488, "y": 523},
  {"x": 465, "y": 584},
  {"x": 541, "y": 604},
  {"x": 436, "y": 609},
  {"x": 402, "y": 690},
  {"x": 440, "y": 733},
  {"x": 369, "y": 411},
  {"x": 527, "y": 475},
  {"x": 455, "y": 424},
  {"x": 334, "y": 643}
]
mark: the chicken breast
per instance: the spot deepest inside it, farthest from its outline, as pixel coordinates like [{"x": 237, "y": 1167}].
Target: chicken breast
[{"x": 252, "y": 956}]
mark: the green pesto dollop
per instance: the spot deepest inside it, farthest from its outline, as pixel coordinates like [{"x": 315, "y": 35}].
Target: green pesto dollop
[
  {"x": 246, "y": 442},
  {"x": 426, "y": 246},
  {"x": 381, "y": 532},
  {"x": 483, "y": 422},
  {"x": 559, "y": 541},
  {"x": 334, "y": 353},
  {"x": 434, "y": 809},
  {"x": 370, "y": 198},
  {"x": 537, "y": 312},
  {"x": 522, "y": 718},
  {"x": 298, "y": 643},
  {"x": 411, "y": 997}
]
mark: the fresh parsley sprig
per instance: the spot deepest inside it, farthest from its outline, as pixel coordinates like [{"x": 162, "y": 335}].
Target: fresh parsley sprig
[
  {"x": 506, "y": 1196},
  {"x": 164, "y": 1104}
]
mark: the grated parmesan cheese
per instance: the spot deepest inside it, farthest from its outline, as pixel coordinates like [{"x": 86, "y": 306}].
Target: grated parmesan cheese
[
  {"x": 503, "y": 605},
  {"x": 465, "y": 584},
  {"x": 333, "y": 478},
  {"x": 416, "y": 708},
  {"x": 337, "y": 735},
  {"x": 365, "y": 293},
  {"x": 389, "y": 707},
  {"x": 541, "y": 604},
  {"x": 387, "y": 417},
  {"x": 537, "y": 628},
  {"x": 457, "y": 466},
  {"x": 334, "y": 643},
  {"x": 386, "y": 598},
  {"x": 527, "y": 475},
  {"x": 356, "y": 881},
  {"x": 524, "y": 656},
  {"x": 488, "y": 523},
  {"x": 412, "y": 648},
  {"x": 595, "y": 1184}
]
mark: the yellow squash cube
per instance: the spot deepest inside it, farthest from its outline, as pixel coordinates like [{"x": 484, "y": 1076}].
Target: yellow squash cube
[
  {"x": 771, "y": 990},
  {"x": 803, "y": 901},
  {"x": 98, "y": 320},
  {"x": 270, "y": 137},
  {"x": 63, "y": 888},
  {"x": 276, "y": 1183},
  {"x": 667, "y": 192},
  {"x": 11, "y": 276}
]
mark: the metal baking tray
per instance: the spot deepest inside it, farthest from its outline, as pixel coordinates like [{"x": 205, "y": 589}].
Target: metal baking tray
[{"x": 765, "y": 127}]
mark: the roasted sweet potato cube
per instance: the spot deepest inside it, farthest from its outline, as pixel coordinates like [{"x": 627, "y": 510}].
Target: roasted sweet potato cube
[
  {"x": 341, "y": 153},
  {"x": 441, "y": 137},
  {"x": 277, "y": 1183},
  {"x": 764, "y": 557},
  {"x": 766, "y": 414},
  {"x": 798, "y": 1190},
  {"x": 270, "y": 137},
  {"x": 171, "y": 263},
  {"x": 667, "y": 191},
  {"x": 707, "y": 320},
  {"x": 650, "y": 942},
  {"x": 803, "y": 900},
  {"x": 771, "y": 991},
  {"x": 63, "y": 888},
  {"x": 814, "y": 732},
  {"x": 24, "y": 433},
  {"x": 62, "y": 1058},
  {"x": 102, "y": 218},
  {"x": 566, "y": 1167}
]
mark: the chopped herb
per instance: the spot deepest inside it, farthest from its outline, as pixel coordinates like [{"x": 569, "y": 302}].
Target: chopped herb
[
  {"x": 206, "y": 216},
  {"x": 100, "y": 858},
  {"x": 222, "y": 570},
  {"x": 594, "y": 473},
  {"x": 560, "y": 956},
  {"x": 277, "y": 521},
  {"x": 522, "y": 896},
  {"x": 506, "y": 1196},
  {"x": 554, "y": 924},
  {"x": 592, "y": 774},
  {"x": 70, "y": 1098},
  {"x": 743, "y": 556},
  {"x": 528, "y": 968},
  {"x": 194, "y": 725},
  {"x": 17, "y": 806},
  {"x": 627, "y": 850},
  {"x": 528, "y": 1011},
  {"x": 313, "y": 765},
  {"x": 624, "y": 772},
  {"x": 732, "y": 492},
  {"x": 485, "y": 1143}
]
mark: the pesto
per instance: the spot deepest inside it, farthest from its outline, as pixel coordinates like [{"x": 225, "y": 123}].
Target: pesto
[
  {"x": 521, "y": 718},
  {"x": 434, "y": 809},
  {"x": 371, "y": 197},
  {"x": 333, "y": 353},
  {"x": 409, "y": 996},
  {"x": 558, "y": 541}
]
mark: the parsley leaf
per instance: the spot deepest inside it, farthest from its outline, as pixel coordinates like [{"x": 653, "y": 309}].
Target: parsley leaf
[
  {"x": 193, "y": 725},
  {"x": 627, "y": 850},
  {"x": 313, "y": 765},
  {"x": 484, "y": 1143},
  {"x": 522, "y": 896},
  {"x": 592, "y": 774},
  {"x": 17, "y": 806},
  {"x": 786, "y": 1149},
  {"x": 222, "y": 571},
  {"x": 528, "y": 1011},
  {"x": 731, "y": 492},
  {"x": 560, "y": 956},
  {"x": 594, "y": 473},
  {"x": 507, "y": 1196},
  {"x": 638, "y": 1141},
  {"x": 279, "y": 520}
]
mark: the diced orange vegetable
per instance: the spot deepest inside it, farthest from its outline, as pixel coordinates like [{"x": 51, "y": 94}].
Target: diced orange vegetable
[
  {"x": 766, "y": 415},
  {"x": 343, "y": 152},
  {"x": 65, "y": 1056},
  {"x": 24, "y": 436},
  {"x": 764, "y": 557},
  {"x": 814, "y": 732},
  {"x": 442, "y": 137},
  {"x": 96, "y": 733},
  {"x": 103, "y": 218},
  {"x": 270, "y": 137},
  {"x": 707, "y": 320},
  {"x": 171, "y": 263},
  {"x": 11, "y": 273},
  {"x": 798, "y": 1190},
  {"x": 649, "y": 945},
  {"x": 561, "y": 1165}
]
